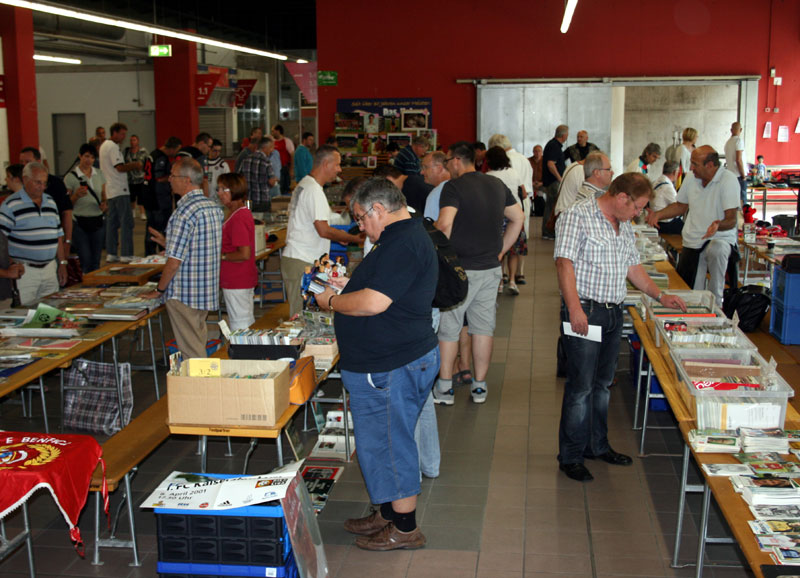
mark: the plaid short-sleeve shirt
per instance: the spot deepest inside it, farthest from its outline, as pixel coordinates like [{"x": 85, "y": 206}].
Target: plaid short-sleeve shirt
[
  {"x": 194, "y": 237},
  {"x": 599, "y": 255}
]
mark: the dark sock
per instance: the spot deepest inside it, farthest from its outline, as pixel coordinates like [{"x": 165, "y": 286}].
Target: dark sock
[
  {"x": 387, "y": 513},
  {"x": 405, "y": 522}
]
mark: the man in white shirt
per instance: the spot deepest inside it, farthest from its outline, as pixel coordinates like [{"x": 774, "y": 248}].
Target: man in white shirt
[
  {"x": 665, "y": 194},
  {"x": 309, "y": 235},
  {"x": 571, "y": 182},
  {"x": 119, "y": 218},
  {"x": 734, "y": 158},
  {"x": 711, "y": 195},
  {"x": 597, "y": 174}
]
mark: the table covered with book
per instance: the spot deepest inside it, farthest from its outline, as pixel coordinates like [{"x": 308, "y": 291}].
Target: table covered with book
[{"x": 715, "y": 380}]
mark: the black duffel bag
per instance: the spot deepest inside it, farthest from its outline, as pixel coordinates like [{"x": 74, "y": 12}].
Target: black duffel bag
[{"x": 751, "y": 302}]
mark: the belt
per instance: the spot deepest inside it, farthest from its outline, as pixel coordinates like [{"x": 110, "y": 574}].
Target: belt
[
  {"x": 607, "y": 305},
  {"x": 36, "y": 265}
]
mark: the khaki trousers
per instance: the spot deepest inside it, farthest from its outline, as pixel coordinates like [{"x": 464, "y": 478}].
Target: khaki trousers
[{"x": 189, "y": 328}]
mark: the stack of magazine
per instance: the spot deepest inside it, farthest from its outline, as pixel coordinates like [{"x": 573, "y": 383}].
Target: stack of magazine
[
  {"x": 764, "y": 440},
  {"x": 723, "y": 441}
]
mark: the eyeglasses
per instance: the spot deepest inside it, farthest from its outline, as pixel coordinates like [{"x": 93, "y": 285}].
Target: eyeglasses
[
  {"x": 605, "y": 169},
  {"x": 360, "y": 218},
  {"x": 178, "y": 177},
  {"x": 448, "y": 159},
  {"x": 223, "y": 190}
]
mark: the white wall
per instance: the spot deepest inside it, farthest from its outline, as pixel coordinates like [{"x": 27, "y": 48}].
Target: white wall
[{"x": 98, "y": 95}]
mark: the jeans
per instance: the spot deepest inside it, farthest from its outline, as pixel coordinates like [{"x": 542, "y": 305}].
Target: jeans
[
  {"x": 286, "y": 179},
  {"x": 551, "y": 193},
  {"x": 88, "y": 246},
  {"x": 743, "y": 189},
  {"x": 590, "y": 371},
  {"x": 119, "y": 220},
  {"x": 386, "y": 407},
  {"x": 426, "y": 435}
]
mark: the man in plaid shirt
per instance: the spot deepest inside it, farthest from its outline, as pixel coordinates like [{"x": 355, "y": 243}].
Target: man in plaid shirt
[
  {"x": 257, "y": 170},
  {"x": 190, "y": 280},
  {"x": 595, "y": 253}
]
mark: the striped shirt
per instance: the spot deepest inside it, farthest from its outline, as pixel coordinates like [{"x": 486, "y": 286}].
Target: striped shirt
[
  {"x": 601, "y": 257},
  {"x": 407, "y": 161},
  {"x": 194, "y": 237},
  {"x": 32, "y": 230}
]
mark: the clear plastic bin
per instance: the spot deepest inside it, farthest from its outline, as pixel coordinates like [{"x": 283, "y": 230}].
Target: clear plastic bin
[
  {"x": 735, "y": 337},
  {"x": 691, "y": 298},
  {"x": 763, "y": 408}
]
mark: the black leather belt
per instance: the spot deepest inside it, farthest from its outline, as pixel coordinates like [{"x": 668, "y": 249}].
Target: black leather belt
[
  {"x": 600, "y": 303},
  {"x": 36, "y": 265}
]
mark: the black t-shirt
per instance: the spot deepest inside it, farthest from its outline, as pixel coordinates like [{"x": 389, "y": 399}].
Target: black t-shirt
[
  {"x": 161, "y": 169},
  {"x": 552, "y": 152},
  {"x": 416, "y": 192},
  {"x": 403, "y": 266},
  {"x": 477, "y": 233},
  {"x": 57, "y": 190}
]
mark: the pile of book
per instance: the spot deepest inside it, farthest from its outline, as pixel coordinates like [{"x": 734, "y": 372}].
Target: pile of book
[
  {"x": 723, "y": 441},
  {"x": 764, "y": 440},
  {"x": 319, "y": 481}
]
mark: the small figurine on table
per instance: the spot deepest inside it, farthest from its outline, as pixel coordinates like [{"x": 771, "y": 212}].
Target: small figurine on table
[{"x": 308, "y": 296}]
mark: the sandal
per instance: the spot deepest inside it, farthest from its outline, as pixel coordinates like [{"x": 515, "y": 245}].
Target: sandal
[
  {"x": 505, "y": 279},
  {"x": 520, "y": 279},
  {"x": 463, "y": 377}
]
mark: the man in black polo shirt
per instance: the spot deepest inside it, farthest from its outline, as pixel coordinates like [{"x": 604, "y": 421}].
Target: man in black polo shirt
[
  {"x": 553, "y": 165},
  {"x": 389, "y": 357}
]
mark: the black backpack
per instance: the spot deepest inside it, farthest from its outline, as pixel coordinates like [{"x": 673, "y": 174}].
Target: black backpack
[
  {"x": 451, "y": 288},
  {"x": 751, "y": 302}
]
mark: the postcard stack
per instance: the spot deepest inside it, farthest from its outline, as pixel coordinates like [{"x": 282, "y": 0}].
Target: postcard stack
[
  {"x": 722, "y": 441},
  {"x": 764, "y": 440}
]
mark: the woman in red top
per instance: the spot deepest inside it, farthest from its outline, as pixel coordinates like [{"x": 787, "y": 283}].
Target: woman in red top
[{"x": 238, "y": 274}]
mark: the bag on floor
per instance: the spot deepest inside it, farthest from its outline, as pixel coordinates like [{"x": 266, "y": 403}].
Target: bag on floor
[
  {"x": 95, "y": 410},
  {"x": 751, "y": 302},
  {"x": 537, "y": 207}
]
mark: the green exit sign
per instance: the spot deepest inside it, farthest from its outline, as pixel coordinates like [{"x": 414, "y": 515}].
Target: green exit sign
[
  {"x": 327, "y": 78},
  {"x": 157, "y": 50}
]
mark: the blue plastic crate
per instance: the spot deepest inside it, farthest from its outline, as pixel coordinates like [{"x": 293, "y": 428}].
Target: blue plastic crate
[
  {"x": 785, "y": 287},
  {"x": 248, "y": 537},
  {"x": 211, "y": 346},
  {"x": 784, "y": 324},
  {"x": 184, "y": 570},
  {"x": 657, "y": 404}
]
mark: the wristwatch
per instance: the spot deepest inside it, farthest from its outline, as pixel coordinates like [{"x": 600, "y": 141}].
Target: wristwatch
[
  {"x": 63, "y": 262},
  {"x": 162, "y": 291},
  {"x": 660, "y": 295},
  {"x": 330, "y": 303}
]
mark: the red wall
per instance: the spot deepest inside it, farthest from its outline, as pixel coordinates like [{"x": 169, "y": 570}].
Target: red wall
[{"x": 380, "y": 50}]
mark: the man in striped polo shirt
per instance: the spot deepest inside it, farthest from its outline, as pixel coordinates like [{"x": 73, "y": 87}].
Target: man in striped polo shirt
[{"x": 30, "y": 220}]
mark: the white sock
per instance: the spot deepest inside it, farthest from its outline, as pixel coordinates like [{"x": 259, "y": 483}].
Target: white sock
[{"x": 444, "y": 385}]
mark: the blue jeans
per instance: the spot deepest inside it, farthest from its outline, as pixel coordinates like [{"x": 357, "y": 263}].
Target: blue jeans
[
  {"x": 743, "y": 189},
  {"x": 88, "y": 246},
  {"x": 386, "y": 407},
  {"x": 426, "y": 435},
  {"x": 590, "y": 371},
  {"x": 119, "y": 220}
]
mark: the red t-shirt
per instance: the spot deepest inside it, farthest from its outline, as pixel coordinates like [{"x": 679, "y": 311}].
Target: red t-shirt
[
  {"x": 280, "y": 146},
  {"x": 238, "y": 231}
]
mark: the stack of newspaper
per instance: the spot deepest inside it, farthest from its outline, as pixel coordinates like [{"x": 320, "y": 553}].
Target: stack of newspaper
[{"x": 714, "y": 441}]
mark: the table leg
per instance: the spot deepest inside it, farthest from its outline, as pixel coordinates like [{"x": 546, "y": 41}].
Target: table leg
[
  {"x": 28, "y": 538},
  {"x": 681, "y": 505},
  {"x": 646, "y": 406},
  {"x": 136, "y": 561},
  {"x": 279, "y": 443},
  {"x": 163, "y": 343},
  {"x": 701, "y": 540},
  {"x": 346, "y": 413},
  {"x": 638, "y": 387},
  {"x": 44, "y": 405},
  {"x": 118, "y": 381},
  {"x": 153, "y": 357},
  {"x": 746, "y": 264},
  {"x": 97, "y": 507},
  {"x": 203, "y": 453}
]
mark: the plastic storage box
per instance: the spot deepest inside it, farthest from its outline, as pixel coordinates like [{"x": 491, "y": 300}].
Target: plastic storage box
[
  {"x": 248, "y": 541},
  {"x": 785, "y": 287},
  {"x": 784, "y": 324},
  {"x": 692, "y": 299},
  {"x": 730, "y": 409},
  {"x": 735, "y": 337}
]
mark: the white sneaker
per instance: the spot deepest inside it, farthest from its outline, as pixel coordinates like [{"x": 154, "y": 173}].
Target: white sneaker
[
  {"x": 111, "y": 258},
  {"x": 125, "y": 259},
  {"x": 446, "y": 398},
  {"x": 479, "y": 394}
]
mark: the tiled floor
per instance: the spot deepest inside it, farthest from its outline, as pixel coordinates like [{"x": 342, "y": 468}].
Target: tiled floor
[{"x": 500, "y": 507}]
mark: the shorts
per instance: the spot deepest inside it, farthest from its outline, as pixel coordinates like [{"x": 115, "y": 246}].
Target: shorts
[{"x": 480, "y": 305}]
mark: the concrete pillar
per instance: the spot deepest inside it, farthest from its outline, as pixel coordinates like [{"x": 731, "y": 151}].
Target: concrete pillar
[{"x": 175, "y": 88}]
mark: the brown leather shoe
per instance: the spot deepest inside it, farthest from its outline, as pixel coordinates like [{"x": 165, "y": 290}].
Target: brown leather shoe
[
  {"x": 366, "y": 526},
  {"x": 390, "y": 538}
]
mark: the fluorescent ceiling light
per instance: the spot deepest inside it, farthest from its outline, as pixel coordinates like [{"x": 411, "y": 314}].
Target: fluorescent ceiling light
[
  {"x": 130, "y": 25},
  {"x": 569, "y": 10},
  {"x": 56, "y": 59},
  {"x": 302, "y": 61}
]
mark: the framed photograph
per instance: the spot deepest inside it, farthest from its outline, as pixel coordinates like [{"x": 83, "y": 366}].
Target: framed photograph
[
  {"x": 377, "y": 143},
  {"x": 348, "y": 121},
  {"x": 347, "y": 142},
  {"x": 402, "y": 139},
  {"x": 412, "y": 119},
  {"x": 430, "y": 134},
  {"x": 372, "y": 123},
  {"x": 372, "y": 162},
  {"x": 391, "y": 124}
]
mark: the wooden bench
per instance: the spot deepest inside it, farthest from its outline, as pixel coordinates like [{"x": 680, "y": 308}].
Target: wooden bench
[{"x": 122, "y": 453}]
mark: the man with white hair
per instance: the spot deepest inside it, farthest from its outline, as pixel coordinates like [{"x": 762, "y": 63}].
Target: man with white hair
[
  {"x": 734, "y": 158},
  {"x": 30, "y": 220},
  {"x": 581, "y": 149}
]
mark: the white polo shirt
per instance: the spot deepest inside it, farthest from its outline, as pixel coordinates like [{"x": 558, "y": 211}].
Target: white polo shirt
[
  {"x": 308, "y": 204},
  {"x": 707, "y": 204},
  {"x": 110, "y": 157}
]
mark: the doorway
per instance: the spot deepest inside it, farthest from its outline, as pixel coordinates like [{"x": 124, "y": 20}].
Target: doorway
[{"x": 69, "y": 133}]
